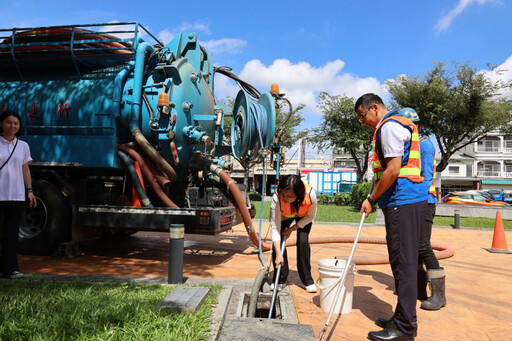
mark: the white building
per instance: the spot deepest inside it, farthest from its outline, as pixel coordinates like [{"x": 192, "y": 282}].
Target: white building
[{"x": 483, "y": 165}]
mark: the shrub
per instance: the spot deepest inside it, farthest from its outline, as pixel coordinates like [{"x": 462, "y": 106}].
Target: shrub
[
  {"x": 323, "y": 199},
  {"x": 359, "y": 194},
  {"x": 254, "y": 196},
  {"x": 342, "y": 199}
]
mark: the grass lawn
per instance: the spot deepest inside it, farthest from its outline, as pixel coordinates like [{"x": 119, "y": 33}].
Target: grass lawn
[
  {"x": 35, "y": 309},
  {"x": 347, "y": 214},
  {"x": 327, "y": 213}
]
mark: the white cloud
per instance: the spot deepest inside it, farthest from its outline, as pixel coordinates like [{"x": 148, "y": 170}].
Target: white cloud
[
  {"x": 302, "y": 82},
  {"x": 502, "y": 73},
  {"x": 167, "y": 35},
  {"x": 445, "y": 21},
  {"x": 224, "y": 87},
  {"x": 230, "y": 45}
]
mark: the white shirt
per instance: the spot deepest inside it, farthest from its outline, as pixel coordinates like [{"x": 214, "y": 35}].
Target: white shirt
[
  {"x": 393, "y": 137},
  {"x": 12, "y": 185},
  {"x": 275, "y": 215}
]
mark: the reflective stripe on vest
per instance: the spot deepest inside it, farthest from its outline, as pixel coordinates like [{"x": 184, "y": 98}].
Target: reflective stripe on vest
[
  {"x": 432, "y": 188},
  {"x": 288, "y": 211},
  {"x": 411, "y": 170}
]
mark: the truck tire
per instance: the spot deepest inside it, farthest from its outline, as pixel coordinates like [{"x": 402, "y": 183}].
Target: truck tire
[{"x": 43, "y": 228}]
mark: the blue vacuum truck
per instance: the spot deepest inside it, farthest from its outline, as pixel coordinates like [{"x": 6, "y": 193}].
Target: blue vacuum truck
[{"x": 126, "y": 133}]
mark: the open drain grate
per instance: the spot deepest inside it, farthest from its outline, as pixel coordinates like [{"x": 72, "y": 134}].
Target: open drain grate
[{"x": 262, "y": 306}]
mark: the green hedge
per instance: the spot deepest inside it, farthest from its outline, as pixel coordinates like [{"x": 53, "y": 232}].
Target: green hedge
[
  {"x": 359, "y": 194},
  {"x": 342, "y": 199},
  {"x": 254, "y": 196},
  {"x": 355, "y": 199}
]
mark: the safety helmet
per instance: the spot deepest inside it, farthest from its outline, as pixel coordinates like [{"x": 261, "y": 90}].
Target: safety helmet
[{"x": 409, "y": 113}]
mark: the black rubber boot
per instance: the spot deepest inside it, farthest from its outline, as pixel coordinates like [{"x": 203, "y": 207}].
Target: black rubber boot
[
  {"x": 437, "y": 278},
  {"x": 422, "y": 283}
]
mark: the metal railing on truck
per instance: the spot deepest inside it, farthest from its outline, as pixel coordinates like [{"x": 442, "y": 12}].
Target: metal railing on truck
[{"x": 79, "y": 49}]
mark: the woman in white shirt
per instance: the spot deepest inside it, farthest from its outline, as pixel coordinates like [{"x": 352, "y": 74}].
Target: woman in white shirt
[
  {"x": 293, "y": 202},
  {"x": 15, "y": 181}
]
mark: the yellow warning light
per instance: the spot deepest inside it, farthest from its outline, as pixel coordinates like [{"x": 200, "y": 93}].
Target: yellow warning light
[
  {"x": 163, "y": 99},
  {"x": 274, "y": 89}
]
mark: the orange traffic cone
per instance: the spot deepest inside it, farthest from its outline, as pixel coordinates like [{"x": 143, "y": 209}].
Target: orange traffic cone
[{"x": 499, "y": 243}]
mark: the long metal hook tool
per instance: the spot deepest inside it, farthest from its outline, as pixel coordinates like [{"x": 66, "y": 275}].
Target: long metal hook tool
[
  {"x": 283, "y": 250},
  {"x": 344, "y": 275}
]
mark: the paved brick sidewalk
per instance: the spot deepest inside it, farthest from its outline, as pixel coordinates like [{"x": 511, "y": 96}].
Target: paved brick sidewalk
[{"x": 479, "y": 283}]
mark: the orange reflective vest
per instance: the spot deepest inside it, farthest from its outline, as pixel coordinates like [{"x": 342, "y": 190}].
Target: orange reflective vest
[
  {"x": 288, "y": 211},
  {"x": 432, "y": 188},
  {"x": 411, "y": 170}
]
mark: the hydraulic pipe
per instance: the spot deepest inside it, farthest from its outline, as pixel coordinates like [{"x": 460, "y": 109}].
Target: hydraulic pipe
[
  {"x": 157, "y": 174},
  {"x": 118, "y": 86},
  {"x": 153, "y": 154},
  {"x": 138, "y": 77},
  {"x": 148, "y": 175},
  {"x": 135, "y": 178}
]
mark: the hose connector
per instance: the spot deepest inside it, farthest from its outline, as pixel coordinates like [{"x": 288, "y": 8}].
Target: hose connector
[{"x": 250, "y": 229}]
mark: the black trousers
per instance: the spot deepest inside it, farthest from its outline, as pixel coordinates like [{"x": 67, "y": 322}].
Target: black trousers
[
  {"x": 426, "y": 255},
  {"x": 12, "y": 212},
  {"x": 403, "y": 225},
  {"x": 303, "y": 255}
]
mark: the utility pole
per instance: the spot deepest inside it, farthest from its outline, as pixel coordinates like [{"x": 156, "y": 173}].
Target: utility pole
[{"x": 301, "y": 158}]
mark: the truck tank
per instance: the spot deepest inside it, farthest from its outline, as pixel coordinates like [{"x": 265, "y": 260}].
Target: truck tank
[{"x": 99, "y": 102}]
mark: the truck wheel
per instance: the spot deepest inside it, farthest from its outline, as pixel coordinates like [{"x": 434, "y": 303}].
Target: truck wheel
[{"x": 43, "y": 228}]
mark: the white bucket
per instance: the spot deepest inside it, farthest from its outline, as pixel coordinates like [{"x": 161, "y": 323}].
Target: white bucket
[{"x": 331, "y": 271}]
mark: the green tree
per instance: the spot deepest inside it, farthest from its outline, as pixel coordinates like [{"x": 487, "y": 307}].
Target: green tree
[
  {"x": 340, "y": 128},
  {"x": 459, "y": 105},
  {"x": 290, "y": 134}
]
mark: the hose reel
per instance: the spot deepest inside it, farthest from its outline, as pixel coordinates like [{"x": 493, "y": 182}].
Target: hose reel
[{"x": 252, "y": 121}]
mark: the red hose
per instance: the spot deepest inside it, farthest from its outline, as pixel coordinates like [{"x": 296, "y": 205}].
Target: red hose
[
  {"x": 242, "y": 206},
  {"x": 147, "y": 174},
  {"x": 158, "y": 174},
  {"x": 446, "y": 251}
]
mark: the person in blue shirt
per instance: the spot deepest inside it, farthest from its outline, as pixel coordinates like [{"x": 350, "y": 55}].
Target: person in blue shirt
[
  {"x": 435, "y": 273},
  {"x": 401, "y": 195}
]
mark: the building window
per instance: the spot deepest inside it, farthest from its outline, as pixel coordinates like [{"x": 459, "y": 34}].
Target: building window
[{"x": 453, "y": 170}]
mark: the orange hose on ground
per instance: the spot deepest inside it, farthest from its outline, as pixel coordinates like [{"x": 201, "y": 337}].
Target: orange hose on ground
[
  {"x": 148, "y": 175},
  {"x": 446, "y": 251}
]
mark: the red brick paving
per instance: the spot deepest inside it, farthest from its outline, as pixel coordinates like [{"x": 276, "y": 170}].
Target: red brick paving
[{"x": 479, "y": 283}]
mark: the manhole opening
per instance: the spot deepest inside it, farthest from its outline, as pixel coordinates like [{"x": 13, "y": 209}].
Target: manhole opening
[{"x": 262, "y": 306}]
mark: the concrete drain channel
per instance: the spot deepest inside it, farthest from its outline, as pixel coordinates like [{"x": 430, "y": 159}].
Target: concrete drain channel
[
  {"x": 262, "y": 306},
  {"x": 282, "y": 325},
  {"x": 230, "y": 321}
]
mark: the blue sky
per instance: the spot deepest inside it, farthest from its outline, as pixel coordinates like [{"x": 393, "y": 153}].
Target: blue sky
[{"x": 341, "y": 47}]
